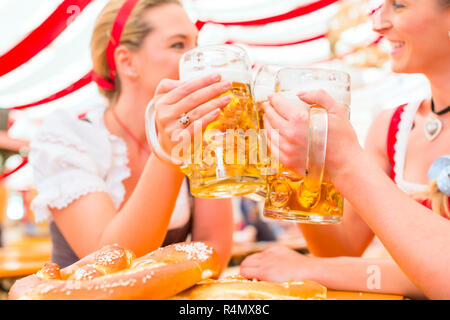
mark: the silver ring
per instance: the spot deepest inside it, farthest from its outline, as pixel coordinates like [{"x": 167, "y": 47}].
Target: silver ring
[{"x": 184, "y": 119}]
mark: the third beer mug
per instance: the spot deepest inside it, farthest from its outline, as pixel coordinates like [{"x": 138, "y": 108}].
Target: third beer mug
[
  {"x": 308, "y": 198},
  {"x": 223, "y": 160}
]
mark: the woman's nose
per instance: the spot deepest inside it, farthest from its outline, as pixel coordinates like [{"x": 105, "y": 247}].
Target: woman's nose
[{"x": 380, "y": 20}]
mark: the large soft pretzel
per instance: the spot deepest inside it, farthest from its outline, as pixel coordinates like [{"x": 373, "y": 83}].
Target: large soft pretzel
[
  {"x": 239, "y": 288},
  {"x": 114, "y": 273}
]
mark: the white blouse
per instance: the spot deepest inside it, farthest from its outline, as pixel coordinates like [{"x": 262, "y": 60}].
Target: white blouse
[
  {"x": 71, "y": 158},
  {"x": 404, "y": 129}
]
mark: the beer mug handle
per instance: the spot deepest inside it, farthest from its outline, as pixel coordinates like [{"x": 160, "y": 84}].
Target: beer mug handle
[
  {"x": 152, "y": 136},
  {"x": 317, "y": 148}
]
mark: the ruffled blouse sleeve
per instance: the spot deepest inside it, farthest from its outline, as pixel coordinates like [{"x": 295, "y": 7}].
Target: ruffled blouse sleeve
[{"x": 70, "y": 158}]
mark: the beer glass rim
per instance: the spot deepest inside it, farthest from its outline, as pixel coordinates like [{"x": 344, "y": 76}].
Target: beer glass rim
[
  {"x": 226, "y": 53},
  {"x": 260, "y": 67},
  {"x": 256, "y": 83},
  {"x": 342, "y": 75},
  {"x": 212, "y": 47}
]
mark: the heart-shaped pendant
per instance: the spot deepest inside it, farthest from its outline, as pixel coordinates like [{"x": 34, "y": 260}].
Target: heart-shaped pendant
[{"x": 432, "y": 128}]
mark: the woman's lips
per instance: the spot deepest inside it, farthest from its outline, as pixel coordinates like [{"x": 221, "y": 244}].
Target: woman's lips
[{"x": 396, "y": 46}]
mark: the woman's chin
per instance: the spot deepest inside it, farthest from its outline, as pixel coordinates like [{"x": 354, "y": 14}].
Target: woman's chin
[
  {"x": 400, "y": 67},
  {"x": 396, "y": 69}
]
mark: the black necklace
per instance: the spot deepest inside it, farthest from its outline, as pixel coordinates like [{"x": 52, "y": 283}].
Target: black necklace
[
  {"x": 440, "y": 113},
  {"x": 433, "y": 125}
]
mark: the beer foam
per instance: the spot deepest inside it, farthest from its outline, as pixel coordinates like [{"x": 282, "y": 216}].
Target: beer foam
[
  {"x": 292, "y": 96},
  {"x": 335, "y": 83},
  {"x": 341, "y": 95},
  {"x": 262, "y": 92},
  {"x": 227, "y": 73}
]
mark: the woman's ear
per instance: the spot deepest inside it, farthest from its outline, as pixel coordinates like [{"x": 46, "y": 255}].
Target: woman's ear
[{"x": 124, "y": 62}]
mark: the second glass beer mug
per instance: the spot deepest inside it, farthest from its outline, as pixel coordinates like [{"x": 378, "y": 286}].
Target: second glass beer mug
[
  {"x": 308, "y": 198},
  {"x": 222, "y": 161}
]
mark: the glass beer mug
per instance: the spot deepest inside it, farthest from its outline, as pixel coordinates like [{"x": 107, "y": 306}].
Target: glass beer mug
[
  {"x": 308, "y": 198},
  {"x": 263, "y": 85},
  {"x": 222, "y": 160}
]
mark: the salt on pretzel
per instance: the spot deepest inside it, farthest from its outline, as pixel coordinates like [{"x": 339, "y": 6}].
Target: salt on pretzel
[{"x": 115, "y": 273}]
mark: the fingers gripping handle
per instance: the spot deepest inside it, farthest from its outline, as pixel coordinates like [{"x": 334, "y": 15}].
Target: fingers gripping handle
[{"x": 152, "y": 136}]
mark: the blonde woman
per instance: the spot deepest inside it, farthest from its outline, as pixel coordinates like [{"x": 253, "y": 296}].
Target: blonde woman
[
  {"x": 402, "y": 146},
  {"x": 97, "y": 180}
]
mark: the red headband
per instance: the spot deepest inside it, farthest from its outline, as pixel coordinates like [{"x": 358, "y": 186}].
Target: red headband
[{"x": 114, "y": 41}]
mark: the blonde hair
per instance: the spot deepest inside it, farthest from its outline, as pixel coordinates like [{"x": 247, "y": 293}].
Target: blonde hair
[
  {"x": 134, "y": 32},
  {"x": 439, "y": 200}
]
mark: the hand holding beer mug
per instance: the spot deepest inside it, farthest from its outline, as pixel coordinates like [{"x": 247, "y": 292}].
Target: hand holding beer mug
[
  {"x": 196, "y": 98},
  {"x": 292, "y": 195},
  {"x": 219, "y": 158}
]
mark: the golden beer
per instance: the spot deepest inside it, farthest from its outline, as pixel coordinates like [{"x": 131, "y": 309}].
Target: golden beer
[
  {"x": 223, "y": 160},
  {"x": 289, "y": 198},
  {"x": 289, "y": 195},
  {"x": 225, "y": 163}
]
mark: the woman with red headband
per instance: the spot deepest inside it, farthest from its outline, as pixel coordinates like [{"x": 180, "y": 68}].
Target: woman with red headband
[
  {"x": 410, "y": 144},
  {"x": 96, "y": 178}
]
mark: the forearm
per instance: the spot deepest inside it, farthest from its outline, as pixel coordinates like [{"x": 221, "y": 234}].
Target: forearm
[
  {"x": 414, "y": 236},
  {"x": 142, "y": 223},
  {"x": 350, "y": 238},
  {"x": 324, "y": 241},
  {"x": 214, "y": 224},
  {"x": 364, "y": 275},
  {"x": 6, "y": 142}
]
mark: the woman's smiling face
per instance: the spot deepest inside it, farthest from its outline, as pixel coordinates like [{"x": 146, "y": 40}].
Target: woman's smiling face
[{"x": 418, "y": 31}]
